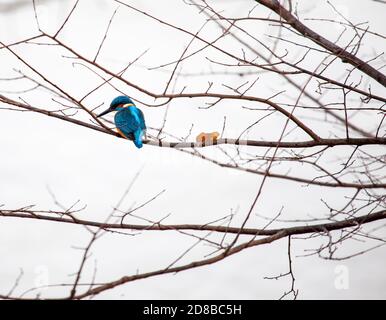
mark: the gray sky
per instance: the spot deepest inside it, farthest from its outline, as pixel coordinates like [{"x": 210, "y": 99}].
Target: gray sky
[{"x": 39, "y": 154}]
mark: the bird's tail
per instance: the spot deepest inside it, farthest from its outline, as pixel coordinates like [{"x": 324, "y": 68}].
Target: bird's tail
[{"x": 138, "y": 138}]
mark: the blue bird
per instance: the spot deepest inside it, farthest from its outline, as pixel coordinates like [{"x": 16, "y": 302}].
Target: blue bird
[{"x": 129, "y": 120}]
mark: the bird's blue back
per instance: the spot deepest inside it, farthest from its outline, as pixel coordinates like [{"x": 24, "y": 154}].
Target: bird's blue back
[{"x": 131, "y": 122}]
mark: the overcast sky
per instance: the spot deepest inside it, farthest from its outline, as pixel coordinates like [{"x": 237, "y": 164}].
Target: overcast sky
[{"x": 42, "y": 156}]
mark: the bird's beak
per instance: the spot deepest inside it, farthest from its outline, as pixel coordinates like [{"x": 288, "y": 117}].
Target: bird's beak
[{"x": 104, "y": 112}]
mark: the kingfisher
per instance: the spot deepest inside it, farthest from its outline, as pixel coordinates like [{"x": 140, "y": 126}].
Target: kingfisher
[{"x": 129, "y": 120}]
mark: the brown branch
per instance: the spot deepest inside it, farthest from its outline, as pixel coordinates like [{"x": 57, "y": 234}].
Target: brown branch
[
  {"x": 345, "y": 56},
  {"x": 317, "y": 228},
  {"x": 192, "y": 265},
  {"x": 269, "y": 239},
  {"x": 252, "y": 143}
]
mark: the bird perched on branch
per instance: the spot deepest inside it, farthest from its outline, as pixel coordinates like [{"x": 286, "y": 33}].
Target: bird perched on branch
[{"x": 129, "y": 120}]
